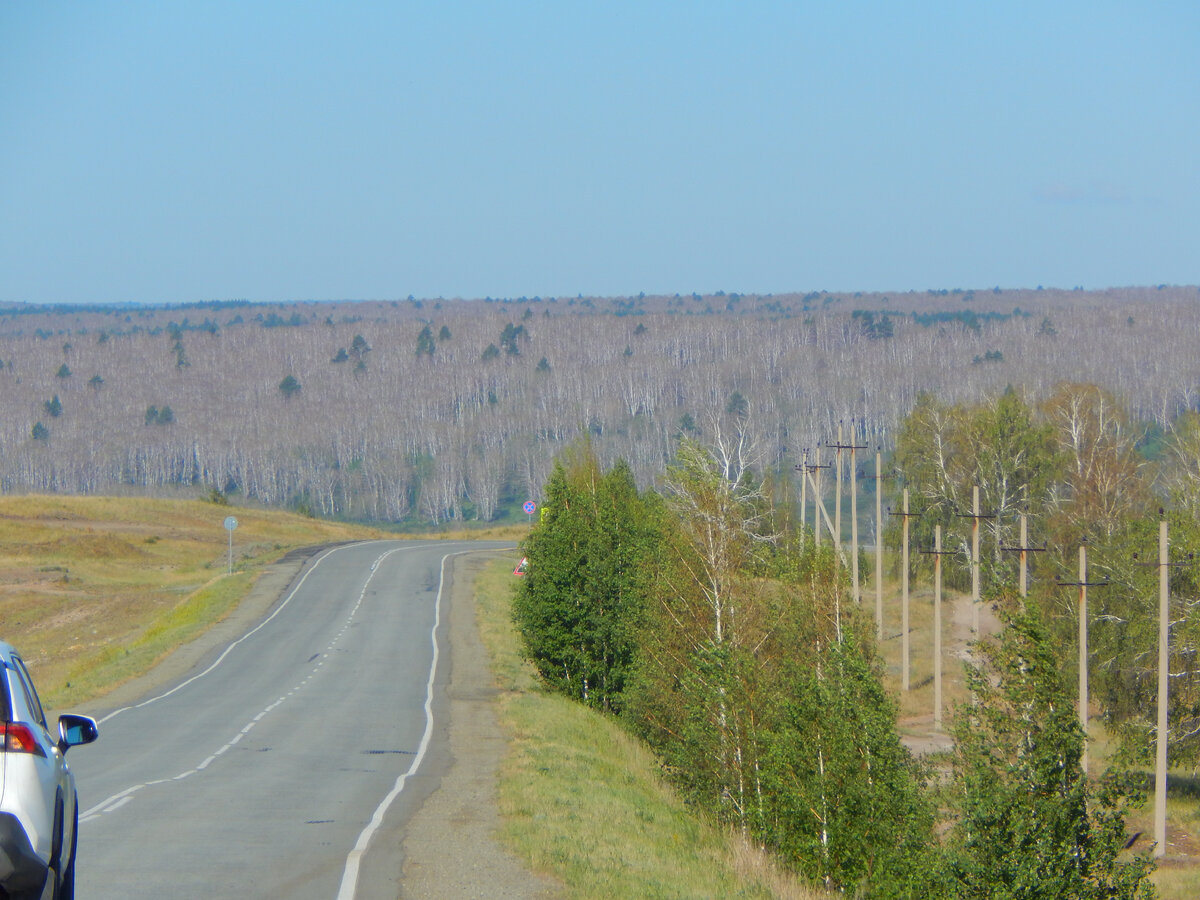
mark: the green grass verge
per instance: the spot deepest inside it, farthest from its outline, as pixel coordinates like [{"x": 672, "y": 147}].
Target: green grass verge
[
  {"x": 585, "y": 802},
  {"x": 186, "y": 621}
]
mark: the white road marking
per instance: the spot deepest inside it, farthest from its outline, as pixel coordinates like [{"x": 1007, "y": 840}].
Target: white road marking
[
  {"x": 109, "y": 805},
  {"x": 353, "y": 861}
]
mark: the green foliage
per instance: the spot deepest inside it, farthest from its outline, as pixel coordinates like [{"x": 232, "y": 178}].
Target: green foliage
[
  {"x": 95, "y": 382},
  {"x": 509, "y": 338},
  {"x": 543, "y": 365},
  {"x": 944, "y": 451},
  {"x": 738, "y": 406},
  {"x": 845, "y": 802},
  {"x": 53, "y": 407},
  {"x": 341, "y": 356},
  {"x": 157, "y": 416},
  {"x": 580, "y": 603},
  {"x": 444, "y": 334},
  {"x": 64, "y": 371},
  {"x": 289, "y": 386},
  {"x": 872, "y": 328},
  {"x": 490, "y": 352},
  {"x": 1031, "y": 825},
  {"x": 425, "y": 342},
  {"x": 1123, "y": 638},
  {"x": 40, "y": 432}
]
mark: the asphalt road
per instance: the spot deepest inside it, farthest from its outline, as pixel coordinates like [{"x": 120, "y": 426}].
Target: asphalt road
[{"x": 287, "y": 763}]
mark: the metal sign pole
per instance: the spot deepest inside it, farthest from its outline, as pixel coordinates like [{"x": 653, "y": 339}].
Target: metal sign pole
[{"x": 230, "y": 524}]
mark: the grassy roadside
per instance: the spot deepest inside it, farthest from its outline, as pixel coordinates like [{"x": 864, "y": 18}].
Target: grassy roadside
[
  {"x": 585, "y": 802},
  {"x": 96, "y": 590}
]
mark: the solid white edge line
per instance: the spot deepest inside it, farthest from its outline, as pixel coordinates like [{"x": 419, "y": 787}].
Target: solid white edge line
[
  {"x": 354, "y": 858},
  {"x": 229, "y": 649}
]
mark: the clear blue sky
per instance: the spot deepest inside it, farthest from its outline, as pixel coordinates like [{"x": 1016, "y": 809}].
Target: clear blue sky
[{"x": 169, "y": 152}]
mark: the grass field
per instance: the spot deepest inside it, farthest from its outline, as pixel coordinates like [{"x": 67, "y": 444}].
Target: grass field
[{"x": 94, "y": 591}]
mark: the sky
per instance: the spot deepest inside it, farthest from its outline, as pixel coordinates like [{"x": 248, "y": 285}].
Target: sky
[{"x": 158, "y": 151}]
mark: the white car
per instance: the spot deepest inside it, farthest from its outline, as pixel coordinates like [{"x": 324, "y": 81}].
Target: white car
[{"x": 39, "y": 811}]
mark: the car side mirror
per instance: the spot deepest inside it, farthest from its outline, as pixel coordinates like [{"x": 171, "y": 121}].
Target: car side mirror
[{"x": 75, "y": 730}]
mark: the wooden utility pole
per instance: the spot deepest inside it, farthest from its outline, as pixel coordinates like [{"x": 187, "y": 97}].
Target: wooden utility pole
[
  {"x": 937, "y": 553},
  {"x": 837, "y": 509},
  {"x": 878, "y": 546},
  {"x": 1083, "y": 584},
  {"x": 806, "y": 470},
  {"x": 1160, "y": 756},
  {"x": 854, "y": 524},
  {"x": 1162, "y": 734},
  {"x": 837, "y": 497},
  {"x": 817, "y": 492},
  {"x": 904, "y": 626},
  {"x": 1023, "y": 581},
  {"x": 803, "y": 470},
  {"x": 1083, "y": 654},
  {"x": 937, "y": 628},
  {"x": 1024, "y": 549},
  {"x": 821, "y": 513},
  {"x": 975, "y": 516},
  {"x": 975, "y": 559}
]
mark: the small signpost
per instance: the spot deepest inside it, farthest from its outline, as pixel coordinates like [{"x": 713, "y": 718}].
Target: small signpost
[
  {"x": 529, "y": 508},
  {"x": 230, "y": 524}
]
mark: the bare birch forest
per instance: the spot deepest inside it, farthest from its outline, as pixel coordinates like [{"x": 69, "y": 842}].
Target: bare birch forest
[{"x": 437, "y": 410}]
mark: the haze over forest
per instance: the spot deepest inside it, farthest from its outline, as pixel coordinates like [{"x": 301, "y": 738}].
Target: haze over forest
[{"x": 424, "y": 411}]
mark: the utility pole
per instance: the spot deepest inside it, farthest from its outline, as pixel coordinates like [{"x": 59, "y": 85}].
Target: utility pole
[
  {"x": 816, "y": 475},
  {"x": 975, "y": 516},
  {"x": 937, "y": 552},
  {"x": 1083, "y": 584},
  {"x": 878, "y": 546},
  {"x": 803, "y": 470},
  {"x": 1024, "y": 549},
  {"x": 1161, "y": 732},
  {"x": 878, "y": 477},
  {"x": 806, "y": 470},
  {"x": 1160, "y": 756},
  {"x": 837, "y": 498},
  {"x": 904, "y": 627},
  {"x": 837, "y": 516}
]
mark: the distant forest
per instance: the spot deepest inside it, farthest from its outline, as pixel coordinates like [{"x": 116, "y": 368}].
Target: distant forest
[{"x": 427, "y": 411}]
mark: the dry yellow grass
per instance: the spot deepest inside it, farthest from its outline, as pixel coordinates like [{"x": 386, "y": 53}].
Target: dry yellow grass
[{"x": 94, "y": 590}]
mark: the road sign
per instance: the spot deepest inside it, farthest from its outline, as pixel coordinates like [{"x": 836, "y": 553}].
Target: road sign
[
  {"x": 230, "y": 524},
  {"x": 530, "y": 507}
]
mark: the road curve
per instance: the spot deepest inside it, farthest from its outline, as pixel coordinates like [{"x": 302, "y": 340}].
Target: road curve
[{"x": 286, "y": 757}]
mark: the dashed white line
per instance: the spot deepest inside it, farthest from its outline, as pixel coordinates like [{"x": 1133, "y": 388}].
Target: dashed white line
[
  {"x": 109, "y": 805},
  {"x": 349, "y": 883}
]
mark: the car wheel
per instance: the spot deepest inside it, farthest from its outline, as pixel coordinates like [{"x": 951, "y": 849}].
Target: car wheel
[{"x": 66, "y": 886}]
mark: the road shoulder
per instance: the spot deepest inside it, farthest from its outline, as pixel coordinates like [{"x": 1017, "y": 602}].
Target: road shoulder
[{"x": 451, "y": 849}]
